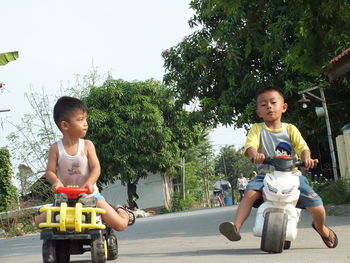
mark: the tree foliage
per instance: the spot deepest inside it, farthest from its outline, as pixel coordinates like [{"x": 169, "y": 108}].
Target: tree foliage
[
  {"x": 231, "y": 162},
  {"x": 199, "y": 168},
  {"x": 29, "y": 145},
  {"x": 239, "y": 46},
  {"x": 8, "y": 193},
  {"x": 137, "y": 129},
  {"x": 32, "y": 138},
  {"x": 8, "y": 57}
]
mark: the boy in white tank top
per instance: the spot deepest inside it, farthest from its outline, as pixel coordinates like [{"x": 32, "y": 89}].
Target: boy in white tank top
[{"x": 73, "y": 161}]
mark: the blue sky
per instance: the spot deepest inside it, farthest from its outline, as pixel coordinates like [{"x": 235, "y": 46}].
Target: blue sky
[{"x": 58, "y": 39}]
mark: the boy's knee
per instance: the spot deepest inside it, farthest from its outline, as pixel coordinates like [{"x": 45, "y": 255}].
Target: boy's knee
[
  {"x": 252, "y": 195},
  {"x": 120, "y": 226}
]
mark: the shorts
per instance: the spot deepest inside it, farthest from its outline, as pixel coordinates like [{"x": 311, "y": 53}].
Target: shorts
[
  {"x": 308, "y": 197},
  {"x": 98, "y": 196}
]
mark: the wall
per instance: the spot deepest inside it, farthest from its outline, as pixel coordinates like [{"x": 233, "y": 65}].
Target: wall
[{"x": 150, "y": 191}]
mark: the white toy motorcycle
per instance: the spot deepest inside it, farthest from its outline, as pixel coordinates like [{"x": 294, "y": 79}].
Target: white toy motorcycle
[{"x": 277, "y": 217}]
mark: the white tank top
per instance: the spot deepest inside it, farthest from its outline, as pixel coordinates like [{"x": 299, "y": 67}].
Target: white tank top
[{"x": 73, "y": 169}]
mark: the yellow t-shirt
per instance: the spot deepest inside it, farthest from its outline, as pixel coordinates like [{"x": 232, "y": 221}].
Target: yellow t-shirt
[{"x": 286, "y": 140}]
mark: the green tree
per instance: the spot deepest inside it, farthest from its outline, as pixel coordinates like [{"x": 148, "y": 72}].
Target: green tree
[
  {"x": 8, "y": 192},
  {"x": 31, "y": 140},
  {"x": 137, "y": 128},
  {"x": 198, "y": 169},
  {"x": 231, "y": 162},
  {"x": 238, "y": 46}
]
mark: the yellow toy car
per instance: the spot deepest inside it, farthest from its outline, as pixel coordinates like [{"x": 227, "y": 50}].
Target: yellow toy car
[{"x": 74, "y": 226}]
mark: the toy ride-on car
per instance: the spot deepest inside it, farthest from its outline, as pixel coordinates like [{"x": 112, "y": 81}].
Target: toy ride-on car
[{"x": 74, "y": 226}]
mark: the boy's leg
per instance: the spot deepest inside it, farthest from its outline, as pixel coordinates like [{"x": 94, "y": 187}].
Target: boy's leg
[
  {"x": 40, "y": 218},
  {"x": 319, "y": 224},
  {"x": 117, "y": 219},
  {"x": 310, "y": 200},
  {"x": 245, "y": 207},
  {"x": 231, "y": 229}
]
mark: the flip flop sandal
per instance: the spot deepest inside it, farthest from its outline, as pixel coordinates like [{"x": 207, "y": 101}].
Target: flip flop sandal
[
  {"x": 229, "y": 230},
  {"x": 329, "y": 238},
  {"x": 130, "y": 213}
]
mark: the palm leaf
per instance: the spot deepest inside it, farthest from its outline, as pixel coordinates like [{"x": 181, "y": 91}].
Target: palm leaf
[{"x": 8, "y": 57}]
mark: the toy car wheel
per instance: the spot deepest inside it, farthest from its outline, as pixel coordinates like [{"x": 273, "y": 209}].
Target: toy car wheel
[
  {"x": 99, "y": 249},
  {"x": 274, "y": 232},
  {"x": 112, "y": 246},
  {"x": 62, "y": 251},
  {"x": 49, "y": 251}
]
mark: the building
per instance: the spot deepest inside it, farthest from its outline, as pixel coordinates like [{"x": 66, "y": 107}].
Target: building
[{"x": 154, "y": 192}]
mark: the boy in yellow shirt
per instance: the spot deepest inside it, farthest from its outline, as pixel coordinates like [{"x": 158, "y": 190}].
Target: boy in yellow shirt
[{"x": 269, "y": 139}]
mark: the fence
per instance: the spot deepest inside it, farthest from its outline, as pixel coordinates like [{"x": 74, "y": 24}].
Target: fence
[{"x": 343, "y": 148}]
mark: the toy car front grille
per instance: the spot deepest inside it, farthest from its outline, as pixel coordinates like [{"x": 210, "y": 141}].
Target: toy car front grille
[{"x": 72, "y": 217}]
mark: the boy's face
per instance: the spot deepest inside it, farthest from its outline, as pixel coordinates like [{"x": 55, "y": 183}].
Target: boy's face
[
  {"x": 77, "y": 125},
  {"x": 271, "y": 106}
]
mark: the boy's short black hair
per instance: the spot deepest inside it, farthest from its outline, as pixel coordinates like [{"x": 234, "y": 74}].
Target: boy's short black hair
[
  {"x": 266, "y": 89},
  {"x": 64, "y": 108}
]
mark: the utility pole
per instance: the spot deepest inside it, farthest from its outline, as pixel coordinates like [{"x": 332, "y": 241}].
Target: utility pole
[{"x": 328, "y": 125}]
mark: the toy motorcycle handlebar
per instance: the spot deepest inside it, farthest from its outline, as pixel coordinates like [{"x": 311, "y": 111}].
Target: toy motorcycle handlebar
[
  {"x": 72, "y": 192},
  {"x": 284, "y": 163}
]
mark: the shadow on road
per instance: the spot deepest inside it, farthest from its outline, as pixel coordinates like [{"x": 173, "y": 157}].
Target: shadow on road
[{"x": 204, "y": 252}]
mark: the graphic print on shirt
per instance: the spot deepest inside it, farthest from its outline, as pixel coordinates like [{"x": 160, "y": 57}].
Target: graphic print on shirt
[
  {"x": 283, "y": 149},
  {"x": 75, "y": 169}
]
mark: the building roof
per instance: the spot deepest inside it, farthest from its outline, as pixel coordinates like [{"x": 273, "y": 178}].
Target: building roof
[
  {"x": 340, "y": 65},
  {"x": 341, "y": 56}
]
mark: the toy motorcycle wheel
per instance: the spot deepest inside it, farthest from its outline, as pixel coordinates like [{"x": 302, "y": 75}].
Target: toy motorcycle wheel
[
  {"x": 99, "y": 250},
  {"x": 112, "y": 246},
  {"x": 287, "y": 244},
  {"x": 49, "y": 251},
  {"x": 274, "y": 232}
]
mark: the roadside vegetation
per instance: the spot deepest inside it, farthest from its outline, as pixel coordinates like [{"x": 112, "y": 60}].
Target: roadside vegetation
[{"x": 142, "y": 126}]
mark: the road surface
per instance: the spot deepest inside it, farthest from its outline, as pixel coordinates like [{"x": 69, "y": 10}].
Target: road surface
[{"x": 194, "y": 237}]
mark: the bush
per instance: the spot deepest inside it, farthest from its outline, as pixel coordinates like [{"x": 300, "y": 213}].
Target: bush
[
  {"x": 178, "y": 204},
  {"x": 335, "y": 193},
  {"x": 16, "y": 223}
]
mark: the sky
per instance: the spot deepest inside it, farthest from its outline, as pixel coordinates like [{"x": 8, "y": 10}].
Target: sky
[{"x": 58, "y": 39}]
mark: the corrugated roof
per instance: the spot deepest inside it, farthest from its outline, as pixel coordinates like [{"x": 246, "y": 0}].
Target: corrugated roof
[{"x": 343, "y": 54}]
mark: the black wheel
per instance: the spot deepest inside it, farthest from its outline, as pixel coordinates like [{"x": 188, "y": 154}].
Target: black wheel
[
  {"x": 62, "y": 251},
  {"x": 49, "y": 251},
  {"x": 112, "y": 246},
  {"x": 287, "y": 244},
  {"x": 274, "y": 232},
  {"x": 99, "y": 250}
]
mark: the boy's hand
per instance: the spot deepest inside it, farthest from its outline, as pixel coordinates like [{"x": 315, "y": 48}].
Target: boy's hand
[
  {"x": 258, "y": 158},
  {"x": 90, "y": 187},
  {"x": 309, "y": 163},
  {"x": 56, "y": 185}
]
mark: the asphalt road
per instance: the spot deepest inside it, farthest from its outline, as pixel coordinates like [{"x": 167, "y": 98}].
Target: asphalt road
[{"x": 194, "y": 237}]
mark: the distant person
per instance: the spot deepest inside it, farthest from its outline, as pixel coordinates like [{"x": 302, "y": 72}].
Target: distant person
[
  {"x": 273, "y": 138},
  {"x": 73, "y": 161},
  {"x": 222, "y": 187},
  {"x": 242, "y": 183}
]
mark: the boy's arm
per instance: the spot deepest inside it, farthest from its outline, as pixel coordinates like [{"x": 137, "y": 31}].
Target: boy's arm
[
  {"x": 94, "y": 165},
  {"x": 306, "y": 158},
  {"x": 51, "y": 168},
  {"x": 257, "y": 158},
  {"x": 301, "y": 147}
]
